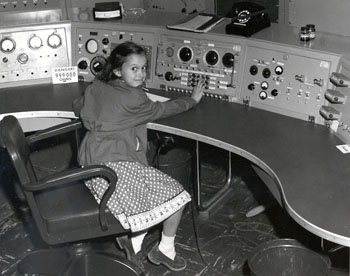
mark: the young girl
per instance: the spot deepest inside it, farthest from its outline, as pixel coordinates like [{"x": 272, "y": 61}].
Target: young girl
[{"x": 115, "y": 111}]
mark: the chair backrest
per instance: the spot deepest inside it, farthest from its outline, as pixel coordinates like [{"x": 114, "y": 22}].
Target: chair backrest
[{"x": 13, "y": 139}]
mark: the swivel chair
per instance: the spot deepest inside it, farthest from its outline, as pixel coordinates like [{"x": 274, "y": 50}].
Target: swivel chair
[{"x": 63, "y": 209}]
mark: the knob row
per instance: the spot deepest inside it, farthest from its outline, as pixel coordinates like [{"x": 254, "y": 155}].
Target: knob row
[{"x": 8, "y": 45}]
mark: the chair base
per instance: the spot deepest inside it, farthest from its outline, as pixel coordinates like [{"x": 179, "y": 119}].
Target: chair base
[{"x": 59, "y": 262}]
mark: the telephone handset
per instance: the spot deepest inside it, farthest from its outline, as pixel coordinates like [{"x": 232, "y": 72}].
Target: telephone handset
[{"x": 247, "y": 19}]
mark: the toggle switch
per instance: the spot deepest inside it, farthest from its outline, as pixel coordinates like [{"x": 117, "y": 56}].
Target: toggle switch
[
  {"x": 319, "y": 82},
  {"x": 300, "y": 78}
]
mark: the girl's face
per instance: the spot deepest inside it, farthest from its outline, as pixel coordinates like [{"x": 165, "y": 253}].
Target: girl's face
[{"x": 133, "y": 70}]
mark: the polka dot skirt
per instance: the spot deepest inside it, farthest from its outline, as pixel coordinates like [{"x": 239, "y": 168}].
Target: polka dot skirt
[{"x": 144, "y": 196}]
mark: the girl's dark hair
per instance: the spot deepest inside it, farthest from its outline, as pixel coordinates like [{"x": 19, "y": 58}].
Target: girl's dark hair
[{"x": 117, "y": 58}]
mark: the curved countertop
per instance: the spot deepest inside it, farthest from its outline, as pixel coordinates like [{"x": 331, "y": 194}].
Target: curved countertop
[{"x": 298, "y": 160}]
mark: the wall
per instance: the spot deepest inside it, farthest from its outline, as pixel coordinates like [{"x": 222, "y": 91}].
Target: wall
[
  {"x": 328, "y": 16},
  {"x": 186, "y": 6},
  {"x": 91, "y": 3}
]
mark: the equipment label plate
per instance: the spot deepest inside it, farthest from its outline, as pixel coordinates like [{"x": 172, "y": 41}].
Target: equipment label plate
[
  {"x": 64, "y": 74},
  {"x": 344, "y": 148}
]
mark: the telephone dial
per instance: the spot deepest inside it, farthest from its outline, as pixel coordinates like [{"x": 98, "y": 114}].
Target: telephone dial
[{"x": 247, "y": 19}]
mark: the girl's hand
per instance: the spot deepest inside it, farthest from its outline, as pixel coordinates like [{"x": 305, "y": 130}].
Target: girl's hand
[{"x": 197, "y": 92}]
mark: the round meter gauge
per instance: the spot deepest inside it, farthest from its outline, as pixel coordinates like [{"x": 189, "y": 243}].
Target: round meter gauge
[
  {"x": 91, "y": 46},
  {"x": 169, "y": 51},
  {"x": 185, "y": 54},
  {"x": 228, "y": 60},
  {"x": 212, "y": 58}
]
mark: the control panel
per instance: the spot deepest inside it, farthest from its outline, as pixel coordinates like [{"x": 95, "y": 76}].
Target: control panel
[
  {"x": 92, "y": 46},
  {"x": 27, "y": 54},
  {"x": 308, "y": 83},
  {"x": 286, "y": 80},
  {"x": 182, "y": 61}
]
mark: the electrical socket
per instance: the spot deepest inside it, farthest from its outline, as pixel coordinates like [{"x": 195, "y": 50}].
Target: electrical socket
[
  {"x": 32, "y": 73},
  {"x": 3, "y": 76}
]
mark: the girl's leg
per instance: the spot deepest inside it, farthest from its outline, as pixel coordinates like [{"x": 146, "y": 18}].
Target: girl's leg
[
  {"x": 171, "y": 224},
  {"x": 167, "y": 242},
  {"x": 137, "y": 240},
  {"x": 165, "y": 253}
]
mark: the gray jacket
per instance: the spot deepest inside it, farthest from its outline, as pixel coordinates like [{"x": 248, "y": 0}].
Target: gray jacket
[{"x": 115, "y": 116}]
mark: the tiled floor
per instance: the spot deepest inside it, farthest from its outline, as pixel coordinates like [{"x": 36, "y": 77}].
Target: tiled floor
[{"x": 217, "y": 245}]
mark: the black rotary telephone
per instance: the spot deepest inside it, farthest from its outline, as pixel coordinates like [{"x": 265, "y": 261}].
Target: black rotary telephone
[{"x": 247, "y": 19}]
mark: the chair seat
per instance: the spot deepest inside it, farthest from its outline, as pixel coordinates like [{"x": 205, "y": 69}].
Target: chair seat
[{"x": 72, "y": 208}]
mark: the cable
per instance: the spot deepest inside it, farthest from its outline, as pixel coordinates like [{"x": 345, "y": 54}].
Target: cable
[
  {"x": 195, "y": 230},
  {"x": 196, "y": 237}
]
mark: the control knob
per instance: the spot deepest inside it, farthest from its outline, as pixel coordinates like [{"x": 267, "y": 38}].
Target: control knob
[
  {"x": 274, "y": 92},
  {"x": 83, "y": 65},
  {"x": 23, "y": 58},
  {"x": 251, "y": 86},
  {"x": 105, "y": 41},
  {"x": 35, "y": 42},
  {"x": 7, "y": 45},
  {"x": 264, "y": 85},
  {"x": 263, "y": 95},
  {"x": 266, "y": 73},
  {"x": 279, "y": 70},
  {"x": 54, "y": 41},
  {"x": 253, "y": 70},
  {"x": 170, "y": 77},
  {"x": 97, "y": 65}
]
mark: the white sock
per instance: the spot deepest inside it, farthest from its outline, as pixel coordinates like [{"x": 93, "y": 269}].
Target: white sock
[
  {"x": 136, "y": 242},
  {"x": 167, "y": 246}
]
